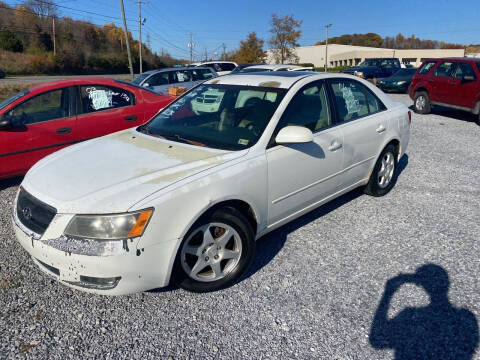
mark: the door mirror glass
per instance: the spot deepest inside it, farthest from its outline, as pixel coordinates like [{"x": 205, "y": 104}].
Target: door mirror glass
[
  {"x": 294, "y": 135},
  {"x": 146, "y": 84}
]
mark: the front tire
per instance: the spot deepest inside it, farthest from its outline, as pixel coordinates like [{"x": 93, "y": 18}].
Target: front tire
[
  {"x": 383, "y": 175},
  {"x": 421, "y": 102},
  {"x": 215, "y": 252}
]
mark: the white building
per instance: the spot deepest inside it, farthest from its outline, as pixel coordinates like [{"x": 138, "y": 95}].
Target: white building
[{"x": 347, "y": 55}]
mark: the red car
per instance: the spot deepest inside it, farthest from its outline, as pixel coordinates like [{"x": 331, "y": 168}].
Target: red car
[
  {"x": 450, "y": 82},
  {"x": 48, "y": 117}
]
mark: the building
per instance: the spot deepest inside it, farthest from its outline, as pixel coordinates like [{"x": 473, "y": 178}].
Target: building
[{"x": 347, "y": 55}]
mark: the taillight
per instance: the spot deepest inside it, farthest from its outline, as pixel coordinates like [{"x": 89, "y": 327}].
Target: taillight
[{"x": 409, "y": 117}]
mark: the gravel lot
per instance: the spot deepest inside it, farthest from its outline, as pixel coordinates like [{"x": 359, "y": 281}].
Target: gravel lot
[{"x": 315, "y": 286}]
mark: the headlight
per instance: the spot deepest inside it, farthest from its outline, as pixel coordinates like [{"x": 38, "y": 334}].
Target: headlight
[
  {"x": 359, "y": 74},
  {"x": 109, "y": 227},
  {"x": 401, "y": 82}
]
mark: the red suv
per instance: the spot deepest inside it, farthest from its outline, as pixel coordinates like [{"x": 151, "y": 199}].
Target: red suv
[{"x": 450, "y": 82}]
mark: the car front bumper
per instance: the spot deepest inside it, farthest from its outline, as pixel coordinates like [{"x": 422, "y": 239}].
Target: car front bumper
[
  {"x": 393, "y": 88},
  {"x": 132, "y": 270}
]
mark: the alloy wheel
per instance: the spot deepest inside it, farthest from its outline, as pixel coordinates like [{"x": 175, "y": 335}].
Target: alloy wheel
[
  {"x": 385, "y": 174},
  {"x": 211, "y": 252}
]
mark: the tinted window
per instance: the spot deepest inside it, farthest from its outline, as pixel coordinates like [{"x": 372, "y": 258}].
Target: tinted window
[
  {"x": 427, "y": 67},
  {"x": 444, "y": 69},
  {"x": 226, "y": 66},
  {"x": 99, "y": 97},
  {"x": 308, "y": 108},
  {"x": 202, "y": 74},
  {"x": 464, "y": 69},
  {"x": 158, "y": 79},
  {"x": 350, "y": 98},
  {"x": 219, "y": 116},
  {"x": 478, "y": 66},
  {"x": 44, "y": 107}
]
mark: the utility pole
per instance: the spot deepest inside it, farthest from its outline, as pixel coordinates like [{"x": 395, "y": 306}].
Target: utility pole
[
  {"x": 53, "y": 30},
  {"x": 140, "y": 23},
  {"x": 190, "y": 45},
  {"x": 126, "y": 39},
  {"x": 326, "y": 47},
  {"x": 224, "y": 55},
  {"x": 206, "y": 54}
]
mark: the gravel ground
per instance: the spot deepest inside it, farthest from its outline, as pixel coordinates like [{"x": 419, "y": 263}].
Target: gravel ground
[{"x": 315, "y": 289}]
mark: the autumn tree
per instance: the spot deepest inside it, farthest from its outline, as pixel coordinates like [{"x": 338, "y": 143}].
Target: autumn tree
[
  {"x": 285, "y": 33},
  {"x": 251, "y": 50},
  {"x": 42, "y": 7}
]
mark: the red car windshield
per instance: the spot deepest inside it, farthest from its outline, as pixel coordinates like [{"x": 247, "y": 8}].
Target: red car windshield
[{"x": 10, "y": 100}]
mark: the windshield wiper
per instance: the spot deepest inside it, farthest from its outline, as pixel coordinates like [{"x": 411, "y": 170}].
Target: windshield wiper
[{"x": 178, "y": 138}]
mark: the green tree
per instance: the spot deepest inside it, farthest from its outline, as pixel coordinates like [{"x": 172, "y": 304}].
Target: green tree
[
  {"x": 9, "y": 42},
  {"x": 251, "y": 50},
  {"x": 285, "y": 33}
]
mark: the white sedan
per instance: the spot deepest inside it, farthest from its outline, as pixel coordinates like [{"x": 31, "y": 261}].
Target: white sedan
[{"x": 184, "y": 197}]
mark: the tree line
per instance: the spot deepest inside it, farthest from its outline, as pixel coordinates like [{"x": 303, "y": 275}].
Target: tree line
[{"x": 77, "y": 47}]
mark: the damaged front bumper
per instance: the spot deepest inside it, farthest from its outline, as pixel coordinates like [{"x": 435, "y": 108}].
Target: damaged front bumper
[{"x": 105, "y": 267}]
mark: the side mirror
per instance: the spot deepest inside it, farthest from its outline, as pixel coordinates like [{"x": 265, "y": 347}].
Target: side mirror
[
  {"x": 5, "y": 122},
  {"x": 468, "y": 78},
  {"x": 294, "y": 135}
]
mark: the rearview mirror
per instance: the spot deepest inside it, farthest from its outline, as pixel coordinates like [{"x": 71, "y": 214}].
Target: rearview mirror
[
  {"x": 294, "y": 135},
  {"x": 5, "y": 122}
]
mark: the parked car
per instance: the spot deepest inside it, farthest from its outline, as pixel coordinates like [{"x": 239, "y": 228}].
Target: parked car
[
  {"x": 2, "y": 74},
  {"x": 220, "y": 67},
  {"x": 398, "y": 82},
  {"x": 450, "y": 82},
  {"x": 243, "y": 66},
  {"x": 375, "y": 68},
  {"x": 185, "y": 196},
  {"x": 36, "y": 122},
  {"x": 162, "y": 79}
]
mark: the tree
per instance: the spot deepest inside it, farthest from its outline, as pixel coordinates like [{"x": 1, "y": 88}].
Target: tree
[
  {"x": 42, "y": 7},
  {"x": 251, "y": 50},
  {"x": 286, "y": 31},
  {"x": 9, "y": 42}
]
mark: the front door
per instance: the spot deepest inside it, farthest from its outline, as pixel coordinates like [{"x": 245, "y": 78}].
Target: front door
[
  {"x": 104, "y": 109},
  {"x": 42, "y": 124},
  {"x": 301, "y": 175}
]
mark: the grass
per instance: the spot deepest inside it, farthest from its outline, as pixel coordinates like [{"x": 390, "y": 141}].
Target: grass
[{"x": 8, "y": 90}]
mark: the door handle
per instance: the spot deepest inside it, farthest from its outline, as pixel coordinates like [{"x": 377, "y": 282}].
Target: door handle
[
  {"x": 431, "y": 80},
  {"x": 334, "y": 146},
  {"x": 380, "y": 129},
  {"x": 64, "y": 130},
  {"x": 453, "y": 83},
  {"x": 131, "y": 118}
]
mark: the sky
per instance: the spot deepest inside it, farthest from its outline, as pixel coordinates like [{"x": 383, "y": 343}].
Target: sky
[{"x": 217, "y": 22}]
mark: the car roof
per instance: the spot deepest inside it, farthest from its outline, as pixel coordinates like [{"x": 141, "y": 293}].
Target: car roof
[
  {"x": 174, "y": 69},
  {"x": 454, "y": 59},
  {"x": 272, "y": 66},
  {"x": 277, "y": 79},
  {"x": 70, "y": 82}
]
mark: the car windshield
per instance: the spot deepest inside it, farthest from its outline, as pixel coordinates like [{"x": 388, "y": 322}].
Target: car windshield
[
  {"x": 369, "y": 62},
  {"x": 140, "y": 78},
  {"x": 405, "y": 72},
  {"x": 8, "y": 101},
  {"x": 228, "y": 117}
]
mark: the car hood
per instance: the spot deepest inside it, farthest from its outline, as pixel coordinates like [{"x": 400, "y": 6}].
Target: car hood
[
  {"x": 112, "y": 173},
  {"x": 393, "y": 79}
]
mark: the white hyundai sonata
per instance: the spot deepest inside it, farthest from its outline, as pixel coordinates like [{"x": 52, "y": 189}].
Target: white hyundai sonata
[{"x": 184, "y": 197}]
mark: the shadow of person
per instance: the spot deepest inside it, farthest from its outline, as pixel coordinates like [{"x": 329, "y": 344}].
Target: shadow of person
[{"x": 436, "y": 331}]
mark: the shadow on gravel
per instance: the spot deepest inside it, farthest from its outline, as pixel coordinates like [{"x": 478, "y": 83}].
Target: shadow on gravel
[
  {"x": 4, "y": 184},
  {"x": 436, "y": 331},
  {"x": 452, "y": 113}
]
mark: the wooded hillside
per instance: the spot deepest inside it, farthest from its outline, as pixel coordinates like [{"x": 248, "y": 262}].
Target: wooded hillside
[{"x": 27, "y": 46}]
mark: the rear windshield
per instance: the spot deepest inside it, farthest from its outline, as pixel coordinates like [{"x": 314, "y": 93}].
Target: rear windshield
[
  {"x": 140, "y": 78},
  {"x": 10, "y": 100}
]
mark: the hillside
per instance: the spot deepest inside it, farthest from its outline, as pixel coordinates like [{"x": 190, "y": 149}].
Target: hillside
[{"x": 27, "y": 45}]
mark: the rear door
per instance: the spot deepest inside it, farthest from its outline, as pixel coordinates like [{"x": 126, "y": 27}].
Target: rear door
[
  {"x": 465, "y": 90},
  {"x": 443, "y": 83},
  {"x": 43, "y": 124},
  {"x": 106, "y": 109},
  {"x": 363, "y": 125}
]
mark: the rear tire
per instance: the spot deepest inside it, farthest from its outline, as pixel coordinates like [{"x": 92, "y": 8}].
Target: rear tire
[
  {"x": 215, "y": 252},
  {"x": 384, "y": 172},
  {"x": 421, "y": 102}
]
